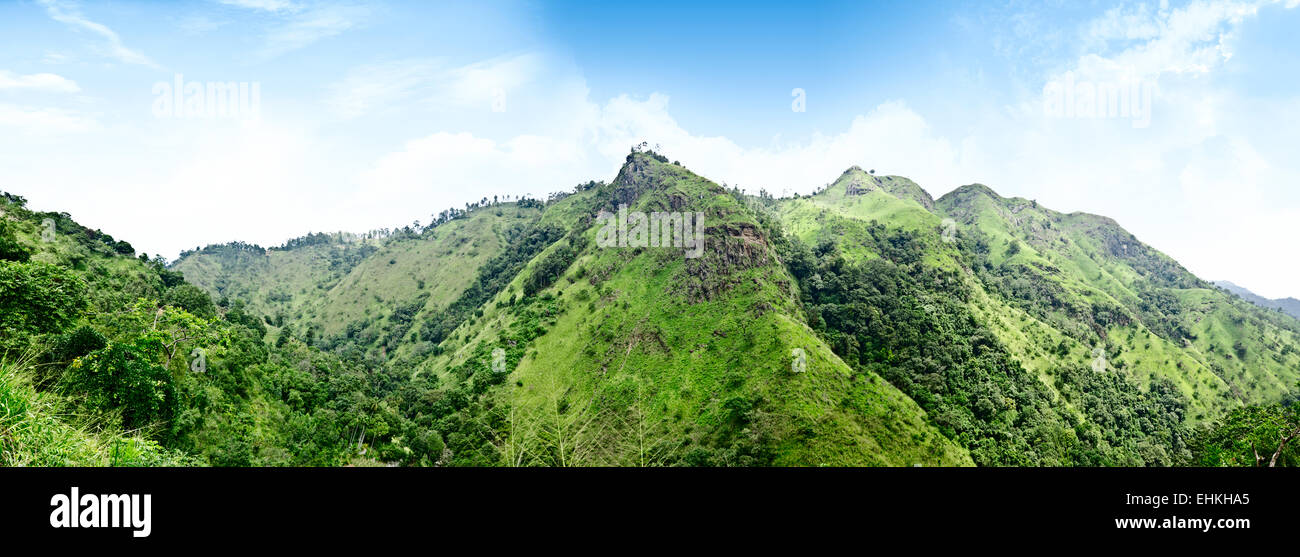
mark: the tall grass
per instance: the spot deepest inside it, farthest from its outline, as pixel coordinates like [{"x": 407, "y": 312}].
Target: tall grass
[{"x": 38, "y": 428}]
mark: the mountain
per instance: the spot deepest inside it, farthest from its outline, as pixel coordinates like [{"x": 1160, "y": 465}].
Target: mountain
[
  {"x": 1289, "y": 305},
  {"x": 661, "y": 319},
  {"x": 109, "y": 359}
]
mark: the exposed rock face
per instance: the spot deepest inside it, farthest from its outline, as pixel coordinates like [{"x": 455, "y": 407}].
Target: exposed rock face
[{"x": 861, "y": 184}]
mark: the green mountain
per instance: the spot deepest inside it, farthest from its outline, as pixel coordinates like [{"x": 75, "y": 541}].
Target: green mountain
[
  {"x": 109, "y": 359},
  {"x": 866, "y": 324},
  {"x": 1290, "y": 306}
]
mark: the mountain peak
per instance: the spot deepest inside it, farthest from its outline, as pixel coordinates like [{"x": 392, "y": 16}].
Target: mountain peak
[
  {"x": 966, "y": 192},
  {"x": 855, "y": 181}
]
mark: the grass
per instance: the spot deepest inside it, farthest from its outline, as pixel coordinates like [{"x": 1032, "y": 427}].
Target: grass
[
  {"x": 634, "y": 368},
  {"x": 35, "y": 430},
  {"x": 639, "y": 356}
]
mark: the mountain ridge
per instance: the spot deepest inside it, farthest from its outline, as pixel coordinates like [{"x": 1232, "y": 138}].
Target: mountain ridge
[
  {"x": 1289, "y": 305},
  {"x": 1049, "y": 290}
]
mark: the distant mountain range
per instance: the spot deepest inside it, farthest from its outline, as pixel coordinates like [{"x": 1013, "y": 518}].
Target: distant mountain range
[{"x": 1288, "y": 305}]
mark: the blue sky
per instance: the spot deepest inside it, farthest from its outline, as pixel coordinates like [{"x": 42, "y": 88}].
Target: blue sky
[{"x": 376, "y": 114}]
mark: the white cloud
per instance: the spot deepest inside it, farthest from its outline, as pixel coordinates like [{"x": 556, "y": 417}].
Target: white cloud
[
  {"x": 1190, "y": 40},
  {"x": 70, "y": 14},
  {"x": 449, "y": 169},
  {"x": 434, "y": 83},
  {"x": 55, "y": 58},
  {"x": 303, "y": 26},
  {"x": 265, "y": 5},
  {"x": 43, "y": 121},
  {"x": 46, "y": 82},
  {"x": 379, "y": 86},
  {"x": 297, "y": 24}
]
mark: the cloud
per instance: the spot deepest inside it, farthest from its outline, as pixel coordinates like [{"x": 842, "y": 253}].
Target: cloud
[
  {"x": 264, "y": 5},
  {"x": 46, "y": 82},
  {"x": 43, "y": 121},
  {"x": 434, "y": 83},
  {"x": 304, "y": 25},
  {"x": 1191, "y": 40},
  {"x": 70, "y": 14},
  {"x": 376, "y": 87},
  {"x": 298, "y": 24},
  {"x": 450, "y": 168}
]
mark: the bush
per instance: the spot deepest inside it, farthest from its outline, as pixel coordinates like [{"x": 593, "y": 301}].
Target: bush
[
  {"x": 36, "y": 298},
  {"x": 123, "y": 376},
  {"x": 192, "y": 299},
  {"x": 10, "y": 248}
]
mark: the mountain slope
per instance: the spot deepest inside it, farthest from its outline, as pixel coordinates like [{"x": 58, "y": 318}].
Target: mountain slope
[
  {"x": 891, "y": 295},
  {"x": 643, "y": 356},
  {"x": 111, "y": 359},
  {"x": 363, "y": 293},
  {"x": 865, "y": 324},
  {"x": 1290, "y": 306},
  {"x": 1127, "y": 303}
]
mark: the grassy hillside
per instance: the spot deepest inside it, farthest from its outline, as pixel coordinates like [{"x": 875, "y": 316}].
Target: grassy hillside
[
  {"x": 891, "y": 295},
  {"x": 95, "y": 341},
  {"x": 42, "y": 429},
  {"x": 1290, "y": 306},
  {"x": 1110, "y": 295},
  {"x": 363, "y": 293},
  {"x": 641, "y": 356},
  {"x": 867, "y": 324}
]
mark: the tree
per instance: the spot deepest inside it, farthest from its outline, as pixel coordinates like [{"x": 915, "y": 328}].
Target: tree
[
  {"x": 37, "y": 298},
  {"x": 1253, "y": 436},
  {"x": 10, "y": 248},
  {"x": 192, "y": 299},
  {"x": 125, "y": 376}
]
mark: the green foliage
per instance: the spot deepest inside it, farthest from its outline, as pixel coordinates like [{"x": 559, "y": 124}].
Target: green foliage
[
  {"x": 36, "y": 298},
  {"x": 125, "y": 377},
  {"x": 192, "y": 299},
  {"x": 495, "y": 274},
  {"x": 1257, "y": 435},
  {"x": 911, "y": 324},
  {"x": 503, "y": 336},
  {"x": 10, "y": 248},
  {"x": 38, "y": 432},
  {"x": 553, "y": 264}
]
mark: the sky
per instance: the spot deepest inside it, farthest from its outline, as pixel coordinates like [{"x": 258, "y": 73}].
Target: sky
[{"x": 360, "y": 115}]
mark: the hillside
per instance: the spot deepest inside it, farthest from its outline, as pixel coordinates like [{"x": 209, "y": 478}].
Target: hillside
[
  {"x": 109, "y": 359},
  {"x": 1089, "y": 279},
  {"x": 1290, "y": 306},
  {"x": 866, "y": 324},
  {"x": 365, "y": 292},
  {"x": 641, "y": 356},
  {"x": 973, "y": 328}
]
